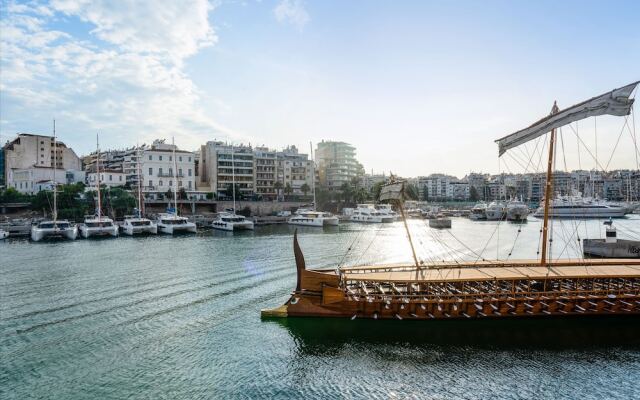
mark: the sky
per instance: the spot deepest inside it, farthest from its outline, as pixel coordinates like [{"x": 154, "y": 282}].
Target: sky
[{"x": 418, "y": 87}]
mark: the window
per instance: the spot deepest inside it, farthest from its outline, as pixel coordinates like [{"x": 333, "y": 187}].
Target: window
[
  {"x": 170, "y": 183},
  {"x": 120, "y": 178},
  {"x": 110, "y": 177},
  {"x": 180, "y": 158},
  {"x": 170, "y": 158},
  {"x": 41, "y": 155},
  {"x": 189, "y": 171},
  {"x": 159, "y": 171},
  {"x": 42, "y": 142},
  {"x": 160, "y": 183},
  {"x": 189, "y": 184},
  {"x": 150, "y": 157},
  {"x": 179, "y": 183},
  {"x": 150, "y": 182},
  {"x": 179, "y": 171},
  {"x": 189, "y": 159},
  {"x": 150, "y": 171},
  {"x": 160, "y": 158}
]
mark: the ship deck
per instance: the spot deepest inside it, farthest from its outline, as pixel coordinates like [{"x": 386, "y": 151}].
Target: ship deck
[{"x": 492, "y": 270}]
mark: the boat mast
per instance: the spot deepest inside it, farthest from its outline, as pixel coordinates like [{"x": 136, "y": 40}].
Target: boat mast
[
  {"x": 55, "y": 165},
  {"x": 140, "y": 205},
  {"x": 313, "y": 176},
  {"x": 175, "y": 173},
  {"x": 406, "y": 227},
  {"x": 98, "y": 179},
  {"x": 233, "y": 180},
  {"x": 548, "y": 192}
]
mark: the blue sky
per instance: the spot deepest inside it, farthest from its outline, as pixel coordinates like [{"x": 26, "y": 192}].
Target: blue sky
[{"x": 417, "y": 86}]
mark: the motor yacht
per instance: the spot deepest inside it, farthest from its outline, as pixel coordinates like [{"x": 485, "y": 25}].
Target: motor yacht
[
  {"x": 368, "y": 213},
  {"x": 385, "y": 209},
  {"x": 305, "y": 217},
  {"x": 496, "y": 211},
  {"x": 136, "y": 224},
  {"x": 98, "y": 226},
  {"x": 581, "y": 207},
  {"x": 171, "y": 223},
  {"x": 517, "y": 210},
  {"x": 231, "y": 222},
  {"x": 479, "y": 211}
]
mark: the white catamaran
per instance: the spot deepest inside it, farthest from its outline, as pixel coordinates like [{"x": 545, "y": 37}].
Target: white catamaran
[
  {"x": 230, "y": 221},
  {"x": 98, "y": 225},
  {"x": 170, "y": 222},
  {"x": 137, "y": 224},
  {"x": 54, "y": 228}
]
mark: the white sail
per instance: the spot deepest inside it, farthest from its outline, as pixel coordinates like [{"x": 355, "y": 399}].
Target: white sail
[
  {"x": 615, "y": 102},
  {"x": 392, "y": 191}
]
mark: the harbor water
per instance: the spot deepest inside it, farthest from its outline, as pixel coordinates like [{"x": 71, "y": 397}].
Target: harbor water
[{"x": 179, "y": 318}]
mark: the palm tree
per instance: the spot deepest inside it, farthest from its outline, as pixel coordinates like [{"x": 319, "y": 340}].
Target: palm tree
[
  {"x": 305, "y": 189},
  {"x": 277, "y": 186},
  {"x": 288, "y": 190}
]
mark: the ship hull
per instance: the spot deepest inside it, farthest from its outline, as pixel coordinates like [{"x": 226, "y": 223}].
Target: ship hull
[{"x": 620, "y": 249}]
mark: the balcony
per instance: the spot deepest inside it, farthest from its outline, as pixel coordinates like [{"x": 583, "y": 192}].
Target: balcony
[{"x": 170, "y": 175}]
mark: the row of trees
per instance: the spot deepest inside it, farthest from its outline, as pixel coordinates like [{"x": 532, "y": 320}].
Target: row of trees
[{"x": 73, "y": 202}]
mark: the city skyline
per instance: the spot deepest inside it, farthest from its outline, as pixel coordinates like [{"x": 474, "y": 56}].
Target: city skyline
[{"x": 417, "y": 88}]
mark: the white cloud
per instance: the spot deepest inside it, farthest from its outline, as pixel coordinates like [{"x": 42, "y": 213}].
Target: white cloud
[
  {"x": 124, "y": 76},
  {"x": 293, "y": 12}
]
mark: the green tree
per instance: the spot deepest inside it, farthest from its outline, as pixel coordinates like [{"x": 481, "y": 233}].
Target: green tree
[
  {"x": 305, "y": 189},
  {"x": 182, "y": 194},
  {"x": 473, "y": 194},
  {"x": 375, "y": 190},
  {"x": 288, "y": 189},
  {"x": 278, "y": 187},
  {"x": 11, "y": 195},
  {"x": 120, "y": 202},
  {"x": 346, "y": 192}
]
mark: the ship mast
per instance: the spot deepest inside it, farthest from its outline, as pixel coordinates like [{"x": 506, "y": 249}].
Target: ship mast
[
  {"x": 548, "y": 191},
  {"x": 233, "y": 180},
  {"x": 98, "y": 177},
  {"x": 406, "y": 227},
  {"x": 55, "y": 165},
  {"x": 175, "y": 173},
  {"x": 313, "y": 176},
  {"x": 140, "y": 205}
]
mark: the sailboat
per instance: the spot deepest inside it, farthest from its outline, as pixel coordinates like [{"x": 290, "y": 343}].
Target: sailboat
[
  {"x": 54, "y": 228},
  {"x": 230, "y": 221},
  {"x": 544, "y": 287},
  {"x": 98, "y": 225},
  {"x": 305, "y": 217},
  {"x": 137, "y": 224},
  {"x": 170, "y": 222}
]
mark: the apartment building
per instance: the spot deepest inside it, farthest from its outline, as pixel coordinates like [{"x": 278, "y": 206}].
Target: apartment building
[
  {"x": 220, "y": 163},
  {"x": 295, "y": 170},
  {"x": 160, "y": 172},
  {"x": 337, "y": 164},
  {"x": 29, "y": 163}
]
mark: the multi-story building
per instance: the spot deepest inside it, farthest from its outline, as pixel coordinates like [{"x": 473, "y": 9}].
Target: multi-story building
[
  {"x": 370, "y": 180},
  {"x": 29, "y": 163},
  {"x": 435, "y": 186},
  {"x": 160, "y": 172},
  {"x": 337, "y": 164},
  {"x": 2, "y": 180},
  {"x": 216, "y": 171},
  {"x": 295, "y": 171},
  {"x": 108, "y": 177},
  {"x": 265, "y": 173}
]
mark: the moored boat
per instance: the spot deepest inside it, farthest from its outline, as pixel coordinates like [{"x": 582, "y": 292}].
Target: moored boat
[
  {"x": 576, "y": 206},
  {"x": 231, "y": 222},
  {"x": 479, "y": 212},
  {"x": 368, "y": 213},
  {"x": 135, "y": 224},
  {"x": 517, "y": 211},
  {"x": 94, "y": 226},
  {"x": 305, "y": 217},
  {"x": 545, "y": 287},
  {"x": 496, "y": 211}
]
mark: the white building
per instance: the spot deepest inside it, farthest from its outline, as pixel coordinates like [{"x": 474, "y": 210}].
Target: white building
[
  {"x": 110, "y": 178},
  {"x": 295, "y": 170},
  {"x": 160, "y": 172},
  {"x": 29, "y": 163}
]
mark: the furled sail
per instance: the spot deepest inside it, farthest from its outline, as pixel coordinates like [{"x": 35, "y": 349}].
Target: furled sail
[
  {"x": 615, "y": 102},
  {"x": 392, "y": 191}
]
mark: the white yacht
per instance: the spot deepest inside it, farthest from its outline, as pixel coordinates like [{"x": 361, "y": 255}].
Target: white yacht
[
  {"x": 313, "y": 218},
  {"x": 385, "y": 209},
  {"x": 496, "y": 211},
  {"x": 98, "y": 226},
  {"x": 53, "y": 229},
  {"x": 368, "y": 213},
  {"x": 135, "y": 224},
  {"x": 171, "y": 223},
  {"x": 231, "y": 222},
  {"x": 517, "y": 210},
  {"x": 479, "y": 211},
  {"x": 581, "y": 207}
]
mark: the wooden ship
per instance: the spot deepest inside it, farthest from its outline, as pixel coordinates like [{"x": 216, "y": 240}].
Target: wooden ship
[{"x": 485, "y": 289}]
